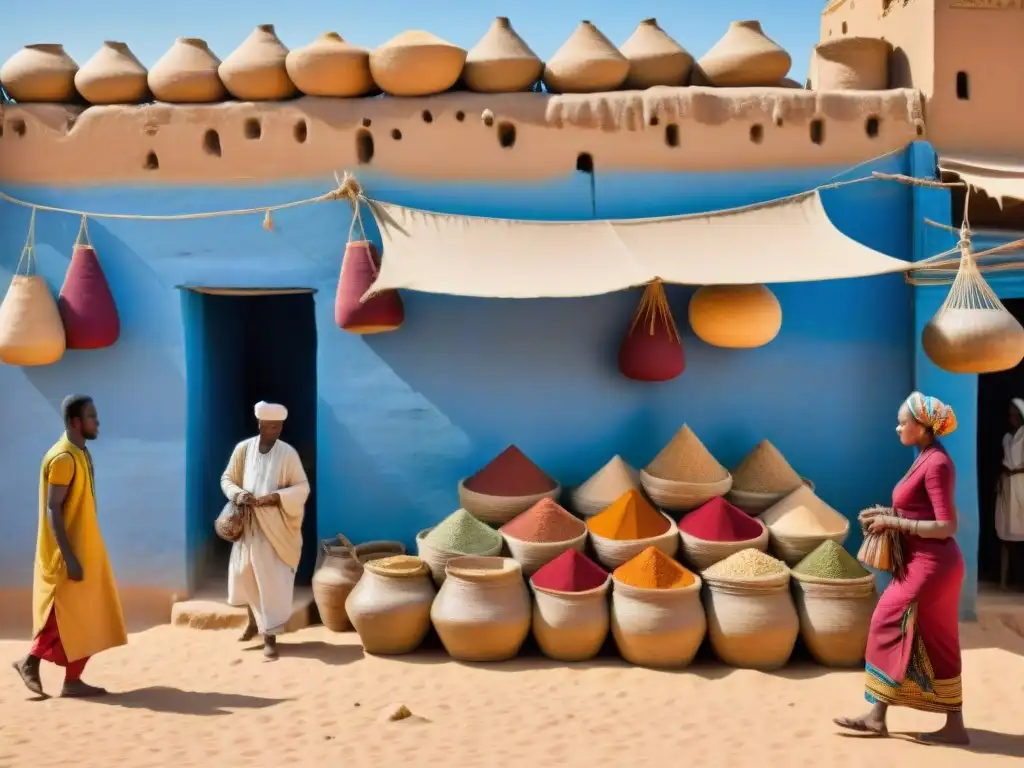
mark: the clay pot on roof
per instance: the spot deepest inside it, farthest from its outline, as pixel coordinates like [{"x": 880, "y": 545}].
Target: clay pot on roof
[
  {"x": 41, "y": 72},
  {"x": 256, "y": 70},
  {"x": 416, "y": 63},
  {"x": 113, "y": 76},
  {"x": 187, "y": 74},
  {"x": 501, "y": 62},
  {"x": 587, "y": 62},
  {"x": 850, "y": 64},
  {"x": 329, "y": 66},
  {"x": 655, "y": 58},
  {"x": 745, "y": 56}
]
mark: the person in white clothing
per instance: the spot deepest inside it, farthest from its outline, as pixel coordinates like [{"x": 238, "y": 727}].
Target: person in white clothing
[
  {"x": 1010, "y": 493},
  {"x": 266, "y": 475}
]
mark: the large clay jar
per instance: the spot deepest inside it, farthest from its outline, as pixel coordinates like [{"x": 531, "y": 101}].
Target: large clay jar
[
  {"x": 571, "y": 626},
  {"x": 416, "y": 63},
  {"x": 745, "y": 57},
  {"x": 501, "y": 62},
  {"x": 588, "y": 62},
  {"x": 851, "y": 64},
  {"x": 735, "y": 316},
  {"x": 330, "y": 67},
  {"x": 336, "y": 574},
  {"x": 390, "y": 606},
  {"x": 113, "y": 76},
  {"x": 41, "y": 72},
  {"x": 482, "y": 612},
  {"x": 661, "y": 628},
  {"x": 187, "y": 74},
  {"x": 256, "y": 70},
  {"x": 655, "y": 58}
]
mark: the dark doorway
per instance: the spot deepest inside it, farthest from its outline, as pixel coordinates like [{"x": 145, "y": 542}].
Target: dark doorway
[
  {"x": 995, "y": 391},
  {"x": 242, "y": 347}
]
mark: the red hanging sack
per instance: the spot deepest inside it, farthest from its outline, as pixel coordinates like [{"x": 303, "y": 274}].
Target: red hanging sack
[
  {"x": 652, "y": 349},
  {"x": 86, "y": 304}
]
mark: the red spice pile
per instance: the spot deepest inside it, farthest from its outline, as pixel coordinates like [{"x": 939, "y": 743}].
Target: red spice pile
[
  {"x": 511, "y": 473},
  {"x": 545, "y": 522},
  {"x": 571, "y": 571},
  {"x": 718, "y": 520}
]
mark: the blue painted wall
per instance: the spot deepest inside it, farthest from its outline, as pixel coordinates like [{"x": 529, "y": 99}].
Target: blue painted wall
[{"x": 403, "y": 416}]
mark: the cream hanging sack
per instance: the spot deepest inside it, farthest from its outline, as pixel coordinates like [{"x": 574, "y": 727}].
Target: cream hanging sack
[{"x": 31, "y": 331}]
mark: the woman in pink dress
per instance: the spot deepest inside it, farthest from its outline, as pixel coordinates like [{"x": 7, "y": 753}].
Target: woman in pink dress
[{"x": 913, "y": 652}]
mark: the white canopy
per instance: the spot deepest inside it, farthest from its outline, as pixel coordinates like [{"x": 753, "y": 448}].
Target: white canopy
[
  {"x": 780, "y": 241},
  {"x": 996, "y": 178}
]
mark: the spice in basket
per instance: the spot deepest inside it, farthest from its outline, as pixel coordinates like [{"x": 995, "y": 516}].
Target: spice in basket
[
  {"x": 631, "y": 517},
  {"x": 510, "y": 473},
  {"x": 746, "y": 564},
  {"x": 802, "y": 513},
  {"x": 718, "y": 520},
  {"x": 686, "y": 460},
  {"x": 545, "y": 522},
  {"x": 462, "y": 533},
  {"x": 610, "y": 481},
  {"x": 765, "y": 470},
  {"x": 571, "y": 571},
  {"x": 830, "y": 561},
  {"x": 653, "y": 569}
]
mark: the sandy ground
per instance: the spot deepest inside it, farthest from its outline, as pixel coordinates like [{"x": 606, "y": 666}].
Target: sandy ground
[{"x": 185, "y": 697}]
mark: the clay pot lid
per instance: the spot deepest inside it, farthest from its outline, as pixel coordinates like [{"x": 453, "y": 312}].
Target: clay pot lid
[
  {"x": 649, "y": 41},
  {"x": 194, "y": 42},
  {"x": 397, "y": 565},
  {"x": 586, "y": 42},
  {"x": 416, "y": 38},
  {"x": 334, "y": 42},
  {"x": 46, "y": 47},
  {"x": 482, "y": 567},
  {"x": 501, "y": 41}
]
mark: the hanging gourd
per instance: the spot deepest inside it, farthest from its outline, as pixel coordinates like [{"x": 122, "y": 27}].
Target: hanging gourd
[
  {"x": 359, "y": 269},
  {"x": 86, "y": 304},
  {"x": 972, "y": 332},
  {"x": 735, "y": 316},
  {"x": 31, "y": 332},
  {"x": 652, "y": 349}
]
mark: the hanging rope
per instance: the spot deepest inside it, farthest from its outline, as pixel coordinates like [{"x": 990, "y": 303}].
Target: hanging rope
[{"x": 654, "y": 308}]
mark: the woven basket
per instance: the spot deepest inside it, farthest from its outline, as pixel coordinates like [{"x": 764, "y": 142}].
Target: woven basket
[
  {"x": 586, "y": 507},
  {"x": 336, "y": 573},
  {"x": 703, "y": 554},
  {"x": 660, "y": 628},
  {"x": 532, "y": 555},
  {"x": 570, "y": 626},
  {"x": 611, "y": 553},
  {"x": 498, "y": 510},
  {"x": 755, "y": 502},
  {"x": 677, "y": 496},
  {"x": 793, "y": 549},
  {"x": 437, "y": 559},
  {"x": 482, "y": 611},
  {"x": 390, "y": 606},
  {"x": 835, "y": 617},
  {"x": 374, "y": 550},
  {"x": 751, "y": 624}
]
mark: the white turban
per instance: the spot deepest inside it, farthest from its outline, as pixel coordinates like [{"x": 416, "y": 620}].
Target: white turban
[{"x": 270, "y": 411}]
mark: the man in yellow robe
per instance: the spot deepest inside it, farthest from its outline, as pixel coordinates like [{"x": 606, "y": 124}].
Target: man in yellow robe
[{"x": 75, "y": 605}]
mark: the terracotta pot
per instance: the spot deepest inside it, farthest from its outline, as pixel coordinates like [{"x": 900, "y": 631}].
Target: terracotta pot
[
  {"x": 256, "y": 70},
  {"x": 336, "y": 574},
  {"x": 187, "y": 74},
  {"x": 113, "y": 76},
  {"x": 41, "y": 72},
  {"x": 390, "y": 606},
  {"x": 329, "y": 66},
  {"x": 416, "y": 63},
  {"x": 745, "y": 57},
  {"x": 655, "y": 58},
  {"x": 501, "y": 62},
  {"x": 588, "y": 62},
  {"x": 851, "y": 64}
]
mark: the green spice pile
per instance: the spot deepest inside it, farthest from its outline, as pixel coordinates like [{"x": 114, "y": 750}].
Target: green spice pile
[
  {"x": 746, "y": 564},
  {"x": 462, "y": 533},
  {"x": 830, "y": 561}
]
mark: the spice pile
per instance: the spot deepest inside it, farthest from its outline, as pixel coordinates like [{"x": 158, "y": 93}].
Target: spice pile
[
  {"x": 463, "y": 534},
  {"x": 765, "y": 470},
  {"x": 746, "y": 564},
  {"x": 610, "y": 481},
  {"x": 631, "y": 517},
  {"x": 802, "y": 513},
  {"x": 686, "y": 460},
  {"x": 653, "y": 569},
  {"x": 718, "y": 520},
  {"x": 510, "y": 473},
  {"x": 830, "y": 561},
  {"x": 399, "y": 565},
  {"x": 571, "y": 571},
  {"x": 545, "y": 522}
]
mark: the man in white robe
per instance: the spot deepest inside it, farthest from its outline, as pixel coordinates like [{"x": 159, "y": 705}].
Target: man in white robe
[
  {"x": 265, "y": 474},
  {"x": 1010, "y": 492}
]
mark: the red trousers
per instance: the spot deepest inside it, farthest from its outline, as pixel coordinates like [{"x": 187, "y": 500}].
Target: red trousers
[{"x": 48, "y": 647}]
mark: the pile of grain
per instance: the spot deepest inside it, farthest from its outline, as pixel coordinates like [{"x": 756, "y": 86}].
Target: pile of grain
[
  {"x": 610, "y": 481},
  {"x": 545, "y": 522},
  {"x": 765, "y": 470},
  {"x": 802, "y": 513},
  {"x": 400, "y": 565},
  {"x": 462, "y": 533},
  {"x": 510, "y": 473},
  {"x": 830, "y": 561},
  {"x": 631, "y": 517},
  {"x": 746, "y": 564},
  {"x": 653, "y": 569},
  {"x": 686, "y": 460}
]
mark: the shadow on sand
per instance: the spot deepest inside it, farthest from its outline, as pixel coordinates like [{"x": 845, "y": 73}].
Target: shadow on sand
[
  {"x": 983, "y": 742},
  {"x": 179, "y": 702},
  {"x": 327, "y": 653}
]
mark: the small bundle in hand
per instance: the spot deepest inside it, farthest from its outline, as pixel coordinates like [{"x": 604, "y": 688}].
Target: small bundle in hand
[{"x": 881, "y": 551}]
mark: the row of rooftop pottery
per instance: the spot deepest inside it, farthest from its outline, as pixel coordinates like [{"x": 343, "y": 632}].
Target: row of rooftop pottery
[{"x": 417, "y": 63}]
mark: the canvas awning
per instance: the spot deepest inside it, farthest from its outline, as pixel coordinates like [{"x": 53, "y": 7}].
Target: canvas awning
[
  {"x": 995, "y": 178},
  {"x": 781, "y": 241}
]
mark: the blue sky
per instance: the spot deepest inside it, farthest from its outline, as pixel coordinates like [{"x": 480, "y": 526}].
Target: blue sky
[{"x": 150, "y": 26}]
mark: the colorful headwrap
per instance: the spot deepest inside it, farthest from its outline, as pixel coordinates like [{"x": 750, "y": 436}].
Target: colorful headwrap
[{"x": 932, "y": 412}]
